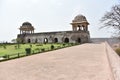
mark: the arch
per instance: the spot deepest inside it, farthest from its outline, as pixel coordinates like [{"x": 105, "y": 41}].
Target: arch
[
  {"x": 45, "y": 40},
  {"x": 79, "y": 28},
  {"x": 66, "y": 40},
  {"x": 55, "y": 40},
  {"x": 29, "y": 41},
  {"x": 36, "y": 40},
  {"x": 79, "y": 40},
  {"x": 22, "y": 41}
]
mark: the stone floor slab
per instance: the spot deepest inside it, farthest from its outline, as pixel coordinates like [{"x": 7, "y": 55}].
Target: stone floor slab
[{"x": 82, "y": 62}]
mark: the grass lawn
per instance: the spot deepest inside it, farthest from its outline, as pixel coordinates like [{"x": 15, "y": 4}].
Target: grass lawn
[{"x": 13, "y": 49}]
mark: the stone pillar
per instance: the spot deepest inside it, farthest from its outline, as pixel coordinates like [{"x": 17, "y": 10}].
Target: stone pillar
[
  {"x": 79, "y": 28},
  {"x": 83, "y": 28},
  {"x": 86, "y": 28},
  {"x": 33, "y": 31},
  {"x": 75, "y": 28},
  {"x": 20, "y": 31}
]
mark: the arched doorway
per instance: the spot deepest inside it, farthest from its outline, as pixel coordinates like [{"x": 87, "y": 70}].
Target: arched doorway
[
  {"x": 36, "y": 41},
  {"x": 45, "y": 40},
  {"x": 22, "y": 41},
  {"x": 29, "y": 41},
  {"x": 66, "y": 40},
  {"x": 55, "y": 40},
  {"x": 79, "y": 40}
]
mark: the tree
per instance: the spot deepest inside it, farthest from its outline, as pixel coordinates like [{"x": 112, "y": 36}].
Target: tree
[
  {"x": 18, "y": 42},
  {"x": 13, "y": 40},
  {"x": 112, "y": 20}
]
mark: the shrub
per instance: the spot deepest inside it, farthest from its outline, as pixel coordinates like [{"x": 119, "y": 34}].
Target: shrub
[
  {"x": 42, "y": 49},
  {"x": 33, "y": 51},
  {"x": 118, "y": 51},
  {"x": 15, "y": 47},
  {"x": 72, "y": 44},
  {"x": 4, "y": 46},
  {"x": 39, "y": 45},
  {"x": 63, "y": 45},
  {"x": 52, "y": 47},
  {"x": 37, "y": 49},
  {"x": 58, "y": 47},
  {"x": 5, "y": 56},
  {"x": 28, "y": 51},
  {"x": 30, "y": 45}
]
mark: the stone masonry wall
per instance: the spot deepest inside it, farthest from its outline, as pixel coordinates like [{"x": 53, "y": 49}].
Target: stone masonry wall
[
  {"x": 114, "y": 60},
  {"x": 71, "y": 36}
]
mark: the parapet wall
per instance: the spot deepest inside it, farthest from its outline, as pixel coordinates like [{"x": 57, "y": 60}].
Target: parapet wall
[{"x": 114, "y": 61}]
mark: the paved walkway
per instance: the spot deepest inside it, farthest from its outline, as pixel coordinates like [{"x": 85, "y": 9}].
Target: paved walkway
[{"x": 83, "y": 62}]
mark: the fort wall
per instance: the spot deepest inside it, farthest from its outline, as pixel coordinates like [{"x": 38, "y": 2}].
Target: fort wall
[
  {"x": 56, "y": 37},
  {"x": 114, "y": 61}
]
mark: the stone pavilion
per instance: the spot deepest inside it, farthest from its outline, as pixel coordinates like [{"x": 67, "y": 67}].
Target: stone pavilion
[{"x": 78, "y": 34}]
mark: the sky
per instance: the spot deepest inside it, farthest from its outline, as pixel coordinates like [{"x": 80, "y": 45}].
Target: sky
[{"x": 51, "y": 15}]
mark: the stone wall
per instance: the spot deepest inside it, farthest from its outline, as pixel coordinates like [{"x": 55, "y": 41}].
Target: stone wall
[
  {"x": 111, "y": 41},
  {"x": 59, "y": 37},
  {"x": 114, "y": 61}
]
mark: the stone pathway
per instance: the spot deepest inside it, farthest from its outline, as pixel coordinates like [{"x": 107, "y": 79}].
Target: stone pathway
[{"x": 82, "y": 62}]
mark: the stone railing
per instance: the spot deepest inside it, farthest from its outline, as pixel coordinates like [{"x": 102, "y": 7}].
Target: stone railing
[{"x": 114, "y": 61}]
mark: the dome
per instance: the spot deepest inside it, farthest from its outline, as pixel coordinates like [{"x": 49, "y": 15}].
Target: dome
[
  {"x": 26, "y": 26},
  {"x": 80, "y": 23},
  {"x": 80, "y": 18}
]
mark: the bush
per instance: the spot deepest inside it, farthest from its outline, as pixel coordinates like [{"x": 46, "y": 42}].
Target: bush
[
  {"x": 33, "y": 51},
  {"x": 28, "y": 51},
  {"x": 5, "y": 56},
  {"x": 72, "y": 44},
  {"x": 15, "y": 47},
  {"x": 52, "y": 47},
  {"x": 118, "y": 51},
  {"x": 58, "y": 47},
  {"x": 4, "y": 46},
  {"x": 63, "y": 45},
  {"x": 37, "y": 49},
  {"x": 42, "y": 49},
  {"x": 30, "y": 45},
  {"x": 39, "y": 45}
]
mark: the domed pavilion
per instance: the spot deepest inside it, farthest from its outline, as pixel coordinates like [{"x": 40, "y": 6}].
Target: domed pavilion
[
  {"x": 79, "y": 33},
  {"x": 26, "y": 28},
  {"x": 80, "y": 23}
]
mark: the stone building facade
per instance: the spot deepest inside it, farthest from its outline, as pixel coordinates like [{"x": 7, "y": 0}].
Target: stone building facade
[{"x": 79, "y": 34}]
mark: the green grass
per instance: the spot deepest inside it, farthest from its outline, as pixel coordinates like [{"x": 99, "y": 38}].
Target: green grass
[{"x": 11, "y": 49}]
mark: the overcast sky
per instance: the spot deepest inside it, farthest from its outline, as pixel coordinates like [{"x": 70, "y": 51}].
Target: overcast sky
[{"x": 51, "y": 15}]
